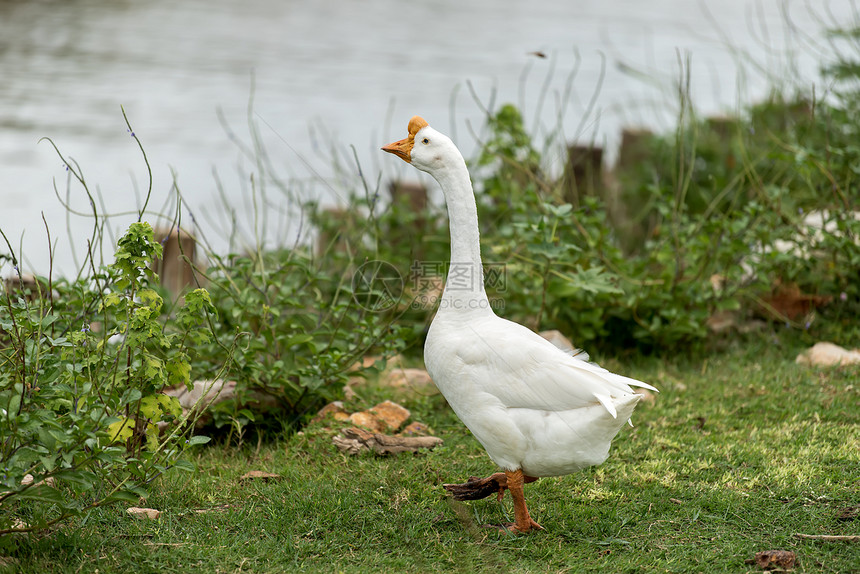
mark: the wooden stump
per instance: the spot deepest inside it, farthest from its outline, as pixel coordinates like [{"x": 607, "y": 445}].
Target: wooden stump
[
  {"x": 723, "y": 126},
  {"x": 412, "y": 194},
  {"x": 583, "y": 174},
  {"x": 336, "y": 239},
  {"x": 635, "y": 147},
  {"x": 175, "y": 266},
  {"x": 26, "y": 285}
]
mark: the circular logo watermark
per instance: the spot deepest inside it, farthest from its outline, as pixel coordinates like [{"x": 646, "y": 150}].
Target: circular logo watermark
[{"x": 377, "y": 286}]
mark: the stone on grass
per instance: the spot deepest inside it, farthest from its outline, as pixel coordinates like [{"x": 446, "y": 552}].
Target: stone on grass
[
  {"x": 826, "y": 354},
  {"x": 367, "y": 420},
  {"x": 334, "y": 410},
  {"x": 258, "y": 475},
  {"x": 142, "y": 513},
  {"x": 408, "y": 382},
  {"x": 207, "y": 393},
  {"x": 385, "y": 416},
  {"x": 415, "y": 429},
  {"x": 722, "y": 321},
  {"x": 647, "y": 396},
  {"x": 28, "y": 479}
]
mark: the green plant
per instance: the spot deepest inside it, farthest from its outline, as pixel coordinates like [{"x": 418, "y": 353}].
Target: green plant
[
  {"x": 300, "y": 332},
  {"x": 714, "y": 218},
  {"x": 80, "y": 387}
]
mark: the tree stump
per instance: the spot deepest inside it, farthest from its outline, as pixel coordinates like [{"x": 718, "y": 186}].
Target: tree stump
[
  {"x": 635, "y": 147},
  {"x": 175, "y": 267},
  {"x": 583, "y": 174}
]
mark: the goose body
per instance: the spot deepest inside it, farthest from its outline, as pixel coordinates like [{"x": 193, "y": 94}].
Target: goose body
[
  {"x": 531, "y": 405},
  {"x": 537, "y": 410}
]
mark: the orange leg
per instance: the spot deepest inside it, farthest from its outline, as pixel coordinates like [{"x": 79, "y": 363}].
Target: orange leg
[{"x": 524, "y": 522}]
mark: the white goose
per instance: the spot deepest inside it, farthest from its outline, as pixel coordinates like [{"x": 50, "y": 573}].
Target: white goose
[{"x": 537, "y": 410}]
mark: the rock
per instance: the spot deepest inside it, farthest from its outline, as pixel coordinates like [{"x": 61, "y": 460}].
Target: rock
[
  {"x": 406, "y": 382},
  {"x": 367, "y": 420},
  {"x": 647, "y": 396},
  {"x": 206, "y": 393},
  {"x": 387, "y": 415},
  {"x": 774, "y": 559},
  {"x": 348, "y": 391},
  {"x": 415, "y": 429},
  {"x": 28, "y": 479},
  {"x": 391, "y": 413},
  {"x": 202, "y": 395},
  {"x": 150, "y": 513},
  {"x": 334, "y": 410},
  {"x": 558, "y": 339},
  {"x": 354, "y": 441},
  {"x": 357, "y": 378},
  {"x": 826, "y": 354},
  {"x": 721, "y": 321}
]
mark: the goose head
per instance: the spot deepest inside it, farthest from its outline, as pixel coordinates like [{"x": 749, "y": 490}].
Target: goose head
[{"x": 425, "y": 148}]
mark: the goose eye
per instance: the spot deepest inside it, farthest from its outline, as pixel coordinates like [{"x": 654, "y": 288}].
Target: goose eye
[{"x": 425, "y": 141}]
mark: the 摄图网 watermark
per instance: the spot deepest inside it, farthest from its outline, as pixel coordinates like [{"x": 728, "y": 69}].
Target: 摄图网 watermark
[{"x": 378, "y": 286}]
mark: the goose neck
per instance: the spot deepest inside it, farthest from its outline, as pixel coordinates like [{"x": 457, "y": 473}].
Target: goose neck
[{"x": 464, "y": 287}]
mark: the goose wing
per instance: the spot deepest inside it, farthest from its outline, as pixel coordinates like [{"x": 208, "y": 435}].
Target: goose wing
[{"x": 523, "y": 370}]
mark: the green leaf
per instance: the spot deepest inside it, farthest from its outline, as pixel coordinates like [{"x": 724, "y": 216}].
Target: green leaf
[
  {"x": 123, "y": 496},
  {"x": 150, "y": 408},
  {"x": 121, "y": 431},
  {"x": 184, "y": 465},
  {"x": 130, "y": 396},
  {"x": 85, "y": 479},
  {"x": 42, "y": 493},
  {"x": 178, "y": 372},
  {"x": 198, "y": 439},
  {"x": 49, "y": 462},
  {"x": 300, "y": 339},
  {"x": 169, "y": 405}
]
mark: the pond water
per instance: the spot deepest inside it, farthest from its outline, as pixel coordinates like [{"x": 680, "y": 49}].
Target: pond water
[{"x": 341, "y": 79}]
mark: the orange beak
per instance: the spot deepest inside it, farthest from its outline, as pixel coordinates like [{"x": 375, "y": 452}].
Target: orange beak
[{"x": 402, "y": 148}]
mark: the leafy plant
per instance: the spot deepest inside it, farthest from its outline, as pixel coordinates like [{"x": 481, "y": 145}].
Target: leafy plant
[
  {"x": 300, "y": 331},
  {"x": 84, "y": 364},
  {"x": 714, "y": 219}
]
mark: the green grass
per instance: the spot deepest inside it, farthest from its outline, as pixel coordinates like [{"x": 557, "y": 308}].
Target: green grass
[{"x": 736, "y": 455}]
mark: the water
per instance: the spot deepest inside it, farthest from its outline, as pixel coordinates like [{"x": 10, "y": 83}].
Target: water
[{"x": 340, "y": 75}]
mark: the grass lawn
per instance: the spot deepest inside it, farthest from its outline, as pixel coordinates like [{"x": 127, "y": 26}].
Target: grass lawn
[{"x": 737, "y": 454}]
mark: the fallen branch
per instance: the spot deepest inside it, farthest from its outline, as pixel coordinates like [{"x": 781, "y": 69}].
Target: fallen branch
[
  {"x": 829, "y": 537},
  {"x": 356, "y": 440}
]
